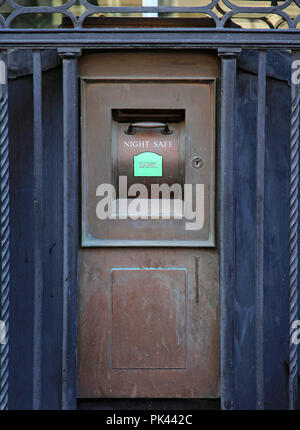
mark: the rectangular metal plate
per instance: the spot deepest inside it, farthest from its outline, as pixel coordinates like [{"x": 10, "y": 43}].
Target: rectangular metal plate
[
  {"x": 102, "y": 138},
  {"x": 156, "y": 337},
  {"x": 148, "y": 323}
]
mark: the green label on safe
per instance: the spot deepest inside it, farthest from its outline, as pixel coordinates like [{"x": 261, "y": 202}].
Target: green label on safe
[{"x": 148, "y": 164}]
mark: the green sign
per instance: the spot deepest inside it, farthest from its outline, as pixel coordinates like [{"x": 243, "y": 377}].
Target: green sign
[{"x": 148, "y": 164}]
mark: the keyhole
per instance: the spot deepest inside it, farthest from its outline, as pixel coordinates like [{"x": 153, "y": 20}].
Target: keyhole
[{"x": 197, "y": 162}]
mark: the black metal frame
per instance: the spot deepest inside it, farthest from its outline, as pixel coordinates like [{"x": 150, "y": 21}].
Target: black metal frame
[
  {"x": 69, "y": 43},
  {"x": 149, "y": 38}
]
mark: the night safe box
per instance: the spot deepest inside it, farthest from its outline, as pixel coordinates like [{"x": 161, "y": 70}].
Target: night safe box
[{"x": 148, "y": 278}]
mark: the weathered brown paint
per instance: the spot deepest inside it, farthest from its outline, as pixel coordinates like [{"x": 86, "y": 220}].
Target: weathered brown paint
[
  {"x": 110, "y": 301},
  {"x": 148, "y": 317},
  {"x": 165, "y": 81}
]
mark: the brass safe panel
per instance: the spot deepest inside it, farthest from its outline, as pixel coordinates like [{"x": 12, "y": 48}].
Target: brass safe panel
[
  {"x": 108, "y": 153},
  {"x": 148, "y": 288},
  {"x": 148, "y": 154}
]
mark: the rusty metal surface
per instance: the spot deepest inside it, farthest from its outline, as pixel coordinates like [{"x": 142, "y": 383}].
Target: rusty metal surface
[
  {"x": 170, "y": 147},
  {"x": 148, "y": 333},
  {"x": 99, "y": 97},
  {"x": 184, "y": 81},
  {"x": 146, "y": 64},
  {"x": 148, "y": 317}
]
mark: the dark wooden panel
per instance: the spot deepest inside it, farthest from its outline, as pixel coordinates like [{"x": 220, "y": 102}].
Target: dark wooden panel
[
  {"x": 21, "y": 142},
  {"x": 245, "y": 145},
  {"x": 21, "y": 297},
  {"x": 276, "y": 266},
  {"x": 53, "y": 240},
  {"x": 275, "y": 236}
]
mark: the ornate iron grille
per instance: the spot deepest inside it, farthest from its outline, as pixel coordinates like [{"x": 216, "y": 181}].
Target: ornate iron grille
[{"x": 273, "y": 13}]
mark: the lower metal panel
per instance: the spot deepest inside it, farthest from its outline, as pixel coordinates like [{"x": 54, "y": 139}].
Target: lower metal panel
[{"x": 148, "y": 324}]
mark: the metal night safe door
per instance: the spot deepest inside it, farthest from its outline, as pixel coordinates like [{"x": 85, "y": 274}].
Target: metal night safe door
[{"x": 149, "y": 263}]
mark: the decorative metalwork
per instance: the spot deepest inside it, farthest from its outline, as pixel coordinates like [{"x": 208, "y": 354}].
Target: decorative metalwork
[
  {"x": 4, "y": 246},
  {"x": 294, "y": 224},
  {"x": 271, "y": 14}
]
